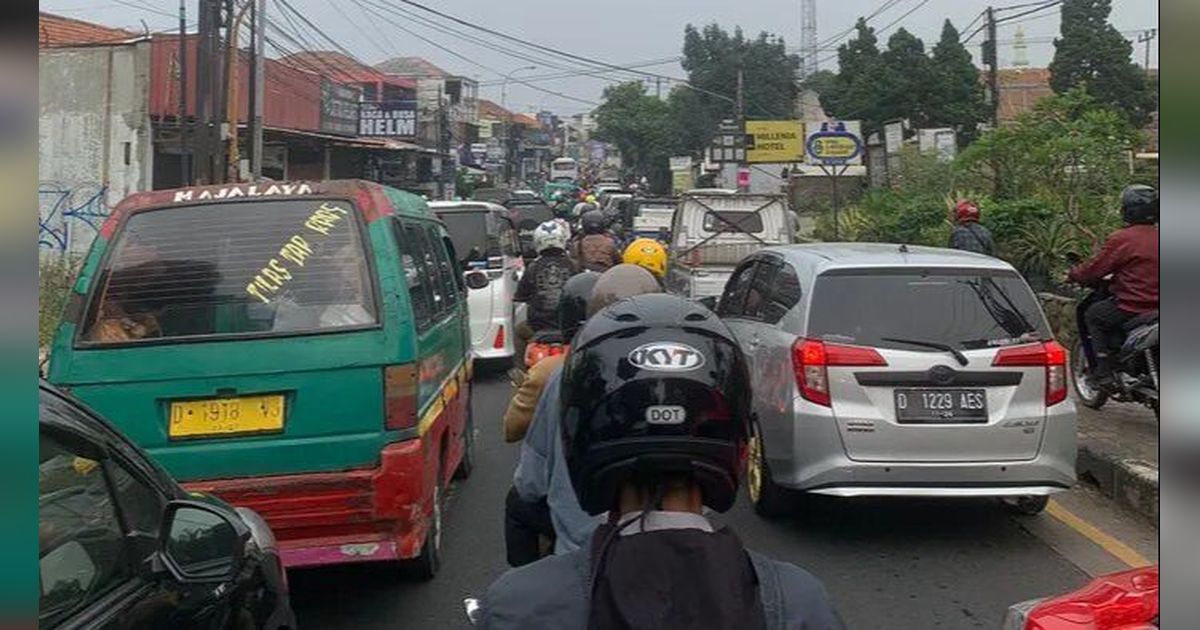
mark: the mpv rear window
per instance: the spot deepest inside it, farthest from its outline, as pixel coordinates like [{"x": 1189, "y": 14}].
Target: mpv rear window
[
  {"x": 966, "y": 309},
  {"x": 733, "y": 222},
  {"x": 469, "y": 233},
  {"x": 252, "y": 268}
]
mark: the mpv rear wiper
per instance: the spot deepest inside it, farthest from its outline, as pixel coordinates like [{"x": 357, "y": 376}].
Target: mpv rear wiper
[{"x": 958, "y": 356}]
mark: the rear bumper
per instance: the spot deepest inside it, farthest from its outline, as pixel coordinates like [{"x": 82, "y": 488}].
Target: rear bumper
[
  {"x": 485, "y": 347},
  {"x": 817, "y": 462},
  {"x": 360, "y": 515}
]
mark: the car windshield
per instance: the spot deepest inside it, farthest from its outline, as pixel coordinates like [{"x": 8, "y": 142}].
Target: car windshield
[
  {"x": 248, "y": 268},
  {"x": 468, "y": 232},
  {"x": 533, "y": 214},
  {"x": 964, "y": 309}
]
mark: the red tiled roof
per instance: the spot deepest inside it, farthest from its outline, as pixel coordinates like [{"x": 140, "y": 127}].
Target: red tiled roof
[
  {"x": 339, "y": 67},
  {"x": 488, "y": 109},
  {"x": 56, "y": 30},
  {"x": 416, "y": 67}
]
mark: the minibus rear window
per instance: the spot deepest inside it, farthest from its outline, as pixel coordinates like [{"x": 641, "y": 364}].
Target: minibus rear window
[{"x": 250, "y": 268}]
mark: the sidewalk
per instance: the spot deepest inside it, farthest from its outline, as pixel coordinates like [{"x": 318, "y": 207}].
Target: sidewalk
[{"x": 1118, "y": 452}]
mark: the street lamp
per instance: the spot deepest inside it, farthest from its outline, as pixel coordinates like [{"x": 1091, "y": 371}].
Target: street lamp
[{"x": 508, "y": 121}]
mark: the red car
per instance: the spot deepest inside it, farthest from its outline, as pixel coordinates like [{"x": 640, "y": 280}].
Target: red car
[{"x": 1120, "y": 601}]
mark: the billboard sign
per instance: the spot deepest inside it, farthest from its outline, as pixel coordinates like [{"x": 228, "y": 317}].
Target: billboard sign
[
  {"x": 834, "y": 143},
  {"x": 388, "y": 119},
  {"x": 681, "y": 162},
  {"x": 339, "y": 108},
  {"x": 774, "y": 141}
]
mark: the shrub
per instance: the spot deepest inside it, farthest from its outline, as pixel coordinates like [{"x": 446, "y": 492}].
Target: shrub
[{"x": 55, "y": 277}]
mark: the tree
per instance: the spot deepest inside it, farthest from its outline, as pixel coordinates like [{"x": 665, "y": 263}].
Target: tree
[
  {"x": 640, "y": 126},
  {"x": 711, "y": 57},
  {"x": 1093, "y": 54},
  {"x": 906, "y": 80},
  {"x": 956, "y": 98},
  {"x": 854, "y": 93}
]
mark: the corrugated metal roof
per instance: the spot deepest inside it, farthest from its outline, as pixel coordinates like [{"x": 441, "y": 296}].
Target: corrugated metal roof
[{"x": 56, "y": 31}]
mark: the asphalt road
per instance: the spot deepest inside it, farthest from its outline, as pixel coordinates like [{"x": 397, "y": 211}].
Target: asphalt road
[{"x": 887, "y": 564}]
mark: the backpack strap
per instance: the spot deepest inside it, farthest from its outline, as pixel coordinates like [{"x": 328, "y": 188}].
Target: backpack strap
[{"x": 769, "y": 589}]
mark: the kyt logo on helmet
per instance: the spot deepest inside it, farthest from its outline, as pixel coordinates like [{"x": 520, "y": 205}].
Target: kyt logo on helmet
[{"x": 666, "y": 357}]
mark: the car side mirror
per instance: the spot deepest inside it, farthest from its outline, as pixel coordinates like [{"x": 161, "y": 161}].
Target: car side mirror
[
  {"x": 477, "y": 280},
  {"x": 709, "y": 302},
  {"x": 201, "y": 543}
]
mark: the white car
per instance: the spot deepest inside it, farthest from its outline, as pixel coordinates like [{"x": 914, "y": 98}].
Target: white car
[{"x": 486, "y": 243}]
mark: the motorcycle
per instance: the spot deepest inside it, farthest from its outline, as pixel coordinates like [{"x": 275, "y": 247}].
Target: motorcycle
[{"x": 1136, "y": 365}]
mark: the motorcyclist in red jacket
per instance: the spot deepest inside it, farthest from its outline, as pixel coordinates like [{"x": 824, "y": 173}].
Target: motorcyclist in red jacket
[{"x": 1131, "y": 256}]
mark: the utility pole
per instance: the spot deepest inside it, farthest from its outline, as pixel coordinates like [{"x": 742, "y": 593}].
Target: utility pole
[
  {"x": 185, "y": 172},
  {"x": 1145, "y": 38},
  {"x": 202, "y": 157},
  {"x": 443, "y": 129},
  {"x": 740, "y": 118},
  {"x": 658, "y": 87},
  {"x": 233, "y": 65},
  {"x": 258, "y": 20},
  {"x": 990, "y": 58}
]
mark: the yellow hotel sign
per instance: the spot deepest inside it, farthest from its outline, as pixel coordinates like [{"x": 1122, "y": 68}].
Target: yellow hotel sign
[{"x": 774, "y": 141}]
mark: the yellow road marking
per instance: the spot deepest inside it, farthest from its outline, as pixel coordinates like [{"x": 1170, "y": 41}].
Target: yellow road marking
[{"x": 1118, "y": 549}]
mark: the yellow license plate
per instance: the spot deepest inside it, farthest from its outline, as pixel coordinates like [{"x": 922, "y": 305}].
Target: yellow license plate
[{"x": 226, "y": 416}]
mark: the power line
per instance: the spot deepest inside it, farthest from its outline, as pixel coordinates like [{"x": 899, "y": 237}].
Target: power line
[
  {"x": 1043, "y": 7},
  {"x": 890, "y": 25},
  {"x": 1012, "y": 7},
  {"x": 469, "y": 60}
]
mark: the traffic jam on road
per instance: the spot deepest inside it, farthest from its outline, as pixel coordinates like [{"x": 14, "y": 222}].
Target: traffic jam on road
[{"x": 574, "y": 379}]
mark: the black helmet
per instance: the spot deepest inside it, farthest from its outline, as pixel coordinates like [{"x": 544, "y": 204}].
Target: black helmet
[
  {"x": 655, "y": 385},
  {"x": 573, "y": 303},
  {"x": 1139, "y": 204},
  {"x": 593, "y": 222}
]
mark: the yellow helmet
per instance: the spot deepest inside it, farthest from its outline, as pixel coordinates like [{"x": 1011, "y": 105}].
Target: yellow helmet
[
  {"x": 590, "y": 199},
  {"x": 648, "y": 254}
]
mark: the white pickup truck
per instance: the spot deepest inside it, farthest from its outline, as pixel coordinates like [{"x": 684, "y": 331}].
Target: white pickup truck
[
  {"x": 713, "y": 231},
  {"x": 651, "y": 215}
]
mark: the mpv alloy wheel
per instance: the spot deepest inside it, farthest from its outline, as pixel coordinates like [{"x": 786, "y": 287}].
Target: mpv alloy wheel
[{"x": 769, "y": 499}]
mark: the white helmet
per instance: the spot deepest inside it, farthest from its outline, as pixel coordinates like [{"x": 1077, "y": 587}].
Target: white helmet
[{"x": 550, "y": 234}]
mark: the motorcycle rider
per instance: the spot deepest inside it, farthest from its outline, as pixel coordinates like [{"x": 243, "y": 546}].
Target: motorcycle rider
[
  {"x": 596, "y": 250},
  {"x": 541, "y": 471},
  {"x": 656, "y": 415},
  {"x": 968, "y": 234},
  {"x": 527, "y": 523},
  {"x": 1131, "y": 255},
  {"x": 648, "y": 254},
  {"x": 542, "y": 283}
]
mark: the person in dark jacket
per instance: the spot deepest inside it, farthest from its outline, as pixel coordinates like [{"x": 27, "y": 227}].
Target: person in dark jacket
[
  {"x": 968, "y": 234},
  {"x": 655, "y": 417},
  {"x": 542, "y": 284},
  {"x": 1131, "y": 256},
  {"x": 597, "y": 249}
]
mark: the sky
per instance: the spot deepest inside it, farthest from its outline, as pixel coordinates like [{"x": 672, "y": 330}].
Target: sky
[{"x": 619, "y": 32}]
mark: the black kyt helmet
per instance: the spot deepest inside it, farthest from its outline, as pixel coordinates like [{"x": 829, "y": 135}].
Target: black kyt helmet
[
  {"x": 573, "y": 303},
  {"x": 655, "y": 385},
  {"x": 593, "y": 222},
  {"x": 1139, "y": 204}
]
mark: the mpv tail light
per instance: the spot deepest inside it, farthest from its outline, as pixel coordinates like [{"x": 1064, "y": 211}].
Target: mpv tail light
[
  {"x": 811, "y": 357},
  {"x": 498, "y": 342},
  {"x": 400, "y": 396},
  {"x": 1049, "y": 354}
]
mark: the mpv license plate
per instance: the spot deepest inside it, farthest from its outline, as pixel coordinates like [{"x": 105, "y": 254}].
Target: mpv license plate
[
  {"x": 226, "y": 416},
  {"x": 941, "y": 406}
]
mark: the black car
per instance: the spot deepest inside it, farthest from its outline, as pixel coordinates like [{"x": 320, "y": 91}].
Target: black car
[{"x": 121, "y": 545}]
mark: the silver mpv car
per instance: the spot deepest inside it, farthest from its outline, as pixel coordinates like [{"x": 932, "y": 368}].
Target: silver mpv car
[{"x": 891, "y": 370}]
